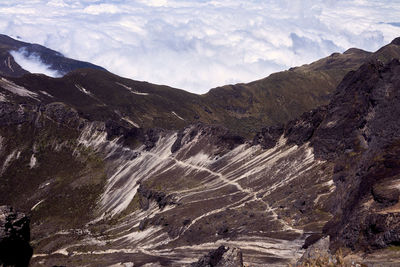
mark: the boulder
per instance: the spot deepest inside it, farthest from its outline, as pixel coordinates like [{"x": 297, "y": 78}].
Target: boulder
[
  {"x": 317, "y": 251},
  {"x": 221, "y": 257},
  {"x": 14, "y": 238}
]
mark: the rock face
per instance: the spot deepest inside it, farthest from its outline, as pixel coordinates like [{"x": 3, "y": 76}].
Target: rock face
[
  {"x": 14, "y": 238},
  {"x": 221, "y": 257},
  {"x": 361, "y": 133}
]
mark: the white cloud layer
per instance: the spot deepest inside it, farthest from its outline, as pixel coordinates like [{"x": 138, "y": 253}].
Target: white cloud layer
[
  {"x": 199, "y": 44},
  {"x": 33, "y": 63}
]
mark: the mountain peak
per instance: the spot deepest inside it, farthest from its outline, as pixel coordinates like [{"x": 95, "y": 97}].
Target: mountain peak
[
  {"x": 396, "y": 41},
  {"x": 354, "y": 51}
]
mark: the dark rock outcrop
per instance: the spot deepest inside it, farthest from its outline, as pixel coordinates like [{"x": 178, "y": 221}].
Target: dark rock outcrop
[
  {"x": 359, "y": 131},
  {"x": 147, "y": 195},
  {"x": 62, "y": 114},
  {"x": 221, "y": 257},
  {"x": 382, "y": 230},
  {"x": 130, "y": 135},
  {"x": 312, "y": 239},
  {"x": 178, "y": 142},
  {"x": 230, "y": 141},
  {"x": 151, "y": 138},
  {"x": 14, "y": 238},
  {"x": 220, "y": 136},
  {"x": 13, "y": 114},
  {"x": 268, "y": 136},
  {"x": 301, "y": 130}
]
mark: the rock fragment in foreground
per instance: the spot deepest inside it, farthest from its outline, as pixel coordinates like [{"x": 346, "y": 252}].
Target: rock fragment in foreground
[
  {"x": 14, "y": 238},
  {"x": 221, "y": 257},
  {"x": 318, "y": 254}
]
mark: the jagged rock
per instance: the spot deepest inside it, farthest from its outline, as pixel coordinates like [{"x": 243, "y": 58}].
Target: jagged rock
[
  {"x": 356, "y": 97},
  {"x": 268, "y": 136},
  {"x": 386, "y": 193},
  {"x": 130, "y": 135},
  {"x": 151, "y": 138},
  {"x": 382, "y": 229},
  {"x": 218, "y": 135},
  {"x": 146, "y": 195},
  {"x": 221, "y": 257},
  {"x": 11, "y": 114},
  {"x": 114, "y": 129},
  {"x": 62, "y": 114},
  {"x": 302, "y": 129},
  {"x": 312, "y": 239},
  {"x": 177, "y": 144},
  {"x": 361, "y": 133},
  {"x": 142, "y": 224},
  {"x": 319, "y": 249},
  {"x": 14, "y": 238},
  {"x": 223, "y": 230},
  {"x": 230, "y": 140}
]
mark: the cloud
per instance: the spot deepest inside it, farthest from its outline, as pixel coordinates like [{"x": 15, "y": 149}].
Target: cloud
[
  {"x": 33, "y": 63},
  {"x": 200, "y": 44}
]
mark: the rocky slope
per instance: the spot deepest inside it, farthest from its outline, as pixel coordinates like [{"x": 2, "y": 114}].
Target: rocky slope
[
  {"x": 358, "y": 132},
  {"x": 115, "y": 171}
]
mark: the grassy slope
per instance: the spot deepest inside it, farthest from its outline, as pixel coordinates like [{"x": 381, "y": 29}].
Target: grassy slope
[
  {"x": 243, "y": 108},
  {"x": 284, "y": 95}
]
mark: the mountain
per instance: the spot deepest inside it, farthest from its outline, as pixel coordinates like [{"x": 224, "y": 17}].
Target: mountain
[{"x": 116, "y": 171}]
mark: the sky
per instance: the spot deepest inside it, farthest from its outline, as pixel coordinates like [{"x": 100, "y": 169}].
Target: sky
[{"x": 197, "y": 45}]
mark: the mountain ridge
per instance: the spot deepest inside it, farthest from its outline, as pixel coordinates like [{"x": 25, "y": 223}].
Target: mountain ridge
[{"x": 242, "y": 108}]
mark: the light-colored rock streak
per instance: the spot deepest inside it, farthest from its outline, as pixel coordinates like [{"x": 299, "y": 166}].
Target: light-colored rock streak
[
  {"x": 131, "y": 122},
  {"x": 46, "y": 94},
  {"x": 131, "y": 90},
  {"x": 246, "y": 174},
  {"x": 179, "y": 117},
  {"x": 9, "y": 64},
  {"x": 37, "y": 204},
  {"x": 130, "y": 172},
  {"x": 33, "y": 162},
  {"x": 17, "y": 89},
  {"x": 122, "y": 185},
  {"x": 83, "y": 90},
  {"x": 14, "y": 155},
  {"x": 3, "y": 98}
]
